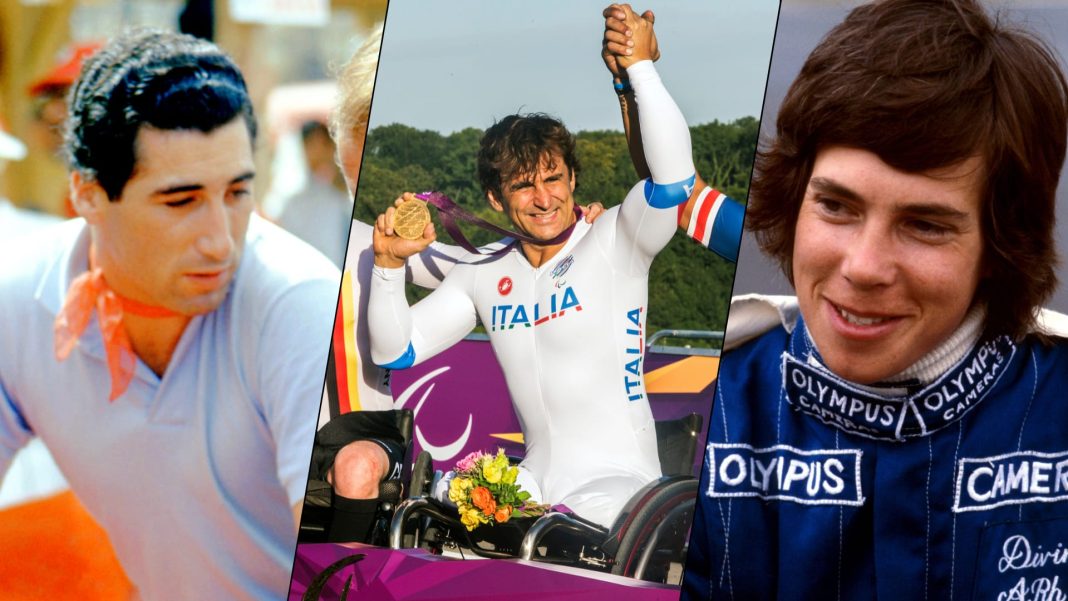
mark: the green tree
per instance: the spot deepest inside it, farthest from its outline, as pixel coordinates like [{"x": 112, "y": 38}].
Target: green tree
[{"x": 689, "y": 286}]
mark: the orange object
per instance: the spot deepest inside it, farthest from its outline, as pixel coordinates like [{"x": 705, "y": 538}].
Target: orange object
[
  {"x": 67, "y": 68},
  {"x": 686, "y": 376},
  {"x": 87, "y": 290},
  {"x": 53, "y": 549}
]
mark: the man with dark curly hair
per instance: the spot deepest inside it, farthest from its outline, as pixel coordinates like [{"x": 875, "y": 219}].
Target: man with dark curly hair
[
  {"x": 169, "y": 346},
  {"x": 897, "y": 430}
]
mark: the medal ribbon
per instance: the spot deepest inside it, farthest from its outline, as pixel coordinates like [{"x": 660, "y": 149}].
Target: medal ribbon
[{"x": 449, "y": 211}]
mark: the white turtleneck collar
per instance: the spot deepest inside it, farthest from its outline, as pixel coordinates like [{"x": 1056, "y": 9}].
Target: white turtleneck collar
[{"x": 944, "y": 356}]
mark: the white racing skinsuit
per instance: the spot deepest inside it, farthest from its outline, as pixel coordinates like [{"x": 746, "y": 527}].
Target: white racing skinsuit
[{"x": 570, "y": 334}]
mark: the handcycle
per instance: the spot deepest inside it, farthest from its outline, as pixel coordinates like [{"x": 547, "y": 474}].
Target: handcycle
[{"x": 647, "y": 540}]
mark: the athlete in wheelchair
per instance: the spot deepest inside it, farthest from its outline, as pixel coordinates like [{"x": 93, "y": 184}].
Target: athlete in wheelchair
[
  {"x": 647, "y": 540},
  {"x": 564, "y": 293}
]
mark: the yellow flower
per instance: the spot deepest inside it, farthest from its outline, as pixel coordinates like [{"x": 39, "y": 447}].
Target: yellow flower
[
  {"x": 492, "y": 472},
  {"x": 455, "y": 491},
  {"x": 468, "y": 523},
  {"x": 495, "y": 470},
  {"x": 472, "y": 518},
  {"x": 458, "y": 488},
  {"x": 510, "y": 475}
]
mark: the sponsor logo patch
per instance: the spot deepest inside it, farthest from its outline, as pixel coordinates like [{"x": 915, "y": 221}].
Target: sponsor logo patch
[
  {"x": 837, "y": 402},
  {"x": 784, "y": 473},
  {"x": 1010, "y": 479},
  {"x": 562, "y": 267},
  {"x": 504, "y": 286}
]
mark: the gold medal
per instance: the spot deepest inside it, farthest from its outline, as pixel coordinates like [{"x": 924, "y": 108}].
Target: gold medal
[{"x": 410, "y": 219}]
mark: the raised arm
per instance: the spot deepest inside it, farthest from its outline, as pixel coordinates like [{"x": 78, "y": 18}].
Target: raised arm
[
  {"x": 402, "y": 336},
  {"x": 617, "y": 41},
  {"x": 709, "y": 217},
  {"x": 648, "y": 216}
]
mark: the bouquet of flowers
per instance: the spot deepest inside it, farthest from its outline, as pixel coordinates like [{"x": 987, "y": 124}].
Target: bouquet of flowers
[{"x": 485, "y": 491}]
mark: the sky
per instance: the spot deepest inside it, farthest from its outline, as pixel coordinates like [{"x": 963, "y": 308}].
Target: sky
[{"x": 446, "y": 66}]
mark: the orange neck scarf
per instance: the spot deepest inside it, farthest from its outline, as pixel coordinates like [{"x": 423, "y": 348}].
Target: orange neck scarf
[{"x": 86, "y": 291}]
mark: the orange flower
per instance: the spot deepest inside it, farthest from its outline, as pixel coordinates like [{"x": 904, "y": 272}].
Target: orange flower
[
  {"x": 481, "y": 497},
  {"x": 490, "y": 507},
  {"x": 503, "y": 513}
]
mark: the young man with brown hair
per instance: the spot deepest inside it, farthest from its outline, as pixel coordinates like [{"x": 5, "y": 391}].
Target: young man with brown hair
[{"x": 898, "y": 430}]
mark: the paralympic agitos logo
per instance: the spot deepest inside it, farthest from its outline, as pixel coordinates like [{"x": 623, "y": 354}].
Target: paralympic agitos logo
[{"x": 315, "y": 588}]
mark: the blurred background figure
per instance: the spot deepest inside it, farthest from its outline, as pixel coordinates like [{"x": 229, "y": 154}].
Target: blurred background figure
[
  {"x": 49, "y": 92},
  {"x": 285, "y": 49},
  {"x": 12, "y": 219},
  {"x": 48, "y": 101},
  {"x": 320, "y": 212},
  {"x": 33, "y": 473}
]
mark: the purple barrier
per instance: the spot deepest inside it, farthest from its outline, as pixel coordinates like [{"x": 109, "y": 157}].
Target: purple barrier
[
  {"x": 415, "y": 575},
  {"x": 462, "y": 405}
]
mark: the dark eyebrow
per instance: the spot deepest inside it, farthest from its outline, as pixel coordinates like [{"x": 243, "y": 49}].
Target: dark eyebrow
[
  {"x": 828, "y": 186},
  {"x": 182, "y": 188},
  {"x": 916, "y": 209},
  {"x": 932, "y": 210},
  {"x": 178, "y": 189}
]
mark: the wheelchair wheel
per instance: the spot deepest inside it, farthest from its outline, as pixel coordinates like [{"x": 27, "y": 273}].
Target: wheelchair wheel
[{"x": 654, "y": 547}]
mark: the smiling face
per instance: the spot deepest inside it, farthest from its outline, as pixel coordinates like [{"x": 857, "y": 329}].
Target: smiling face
[
  {"x": 174, "y": 236},
  {"x": 539, "y": 204},
  {"x": 885, "y": 263}
]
